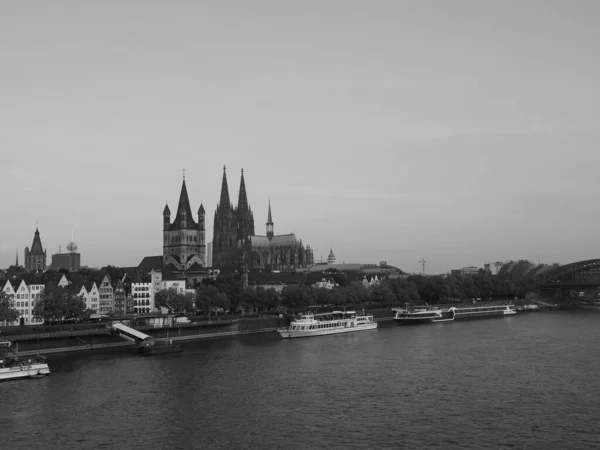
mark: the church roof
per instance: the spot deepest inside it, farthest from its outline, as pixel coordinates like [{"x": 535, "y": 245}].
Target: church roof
[
  {"x": 36, "y": 247},
  {"x": 201, "y": 209},
  {"x": 183, "y": 211},
  {"x": 281, "y": 240},
  {"x": 196, "y": 268},
  {"x": 166, "y": 211},
  {"x": 151, "y": 262}
]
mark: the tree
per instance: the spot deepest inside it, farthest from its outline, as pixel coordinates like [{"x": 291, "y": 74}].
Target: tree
[
  {"x": 209, "y": 297},
  {"x": 175, "y": 300},
  {"x": 7, "y": 308},
  {"x": 57, "y": 303}
]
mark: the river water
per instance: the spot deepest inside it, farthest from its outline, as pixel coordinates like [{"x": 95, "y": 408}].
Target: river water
[{"x": 525, "y": 382}]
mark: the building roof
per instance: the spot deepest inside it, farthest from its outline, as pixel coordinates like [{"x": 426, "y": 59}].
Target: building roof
[
  {"x": 36, "y": 246},
  {"x": 282, "y": 240},
  {"x": 151, "y": 262},
  {"x": 184, "y": 212},
  {"x": 196, "y": 268}
]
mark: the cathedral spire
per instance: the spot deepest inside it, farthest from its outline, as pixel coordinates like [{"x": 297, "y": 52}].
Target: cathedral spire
[
  {"x": 224, "y": 203},
  {"x": 242, "y": 199},
  {"x": 17, "y": 262},
  {"x": 270, "y": 226}
]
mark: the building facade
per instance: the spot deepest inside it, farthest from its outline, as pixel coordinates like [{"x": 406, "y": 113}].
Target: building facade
[
  {"x": 70, "y": 261},
  {"x": 35, "y": 259},
  {"x": 107, "y": 298},
  {"x": 235, "y": 242}
]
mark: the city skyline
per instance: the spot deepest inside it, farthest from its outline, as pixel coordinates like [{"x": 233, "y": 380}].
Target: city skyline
[{"x": 460, "y": 133}]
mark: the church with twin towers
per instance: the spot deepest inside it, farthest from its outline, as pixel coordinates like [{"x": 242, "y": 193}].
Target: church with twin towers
[{"x": 234, "y": 239}]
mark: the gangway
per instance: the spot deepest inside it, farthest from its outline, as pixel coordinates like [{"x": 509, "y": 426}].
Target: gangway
[{"x": 130, "y": 333}]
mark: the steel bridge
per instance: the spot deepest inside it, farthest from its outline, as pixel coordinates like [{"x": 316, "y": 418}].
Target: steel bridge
[{"x": 577, "y": 274}]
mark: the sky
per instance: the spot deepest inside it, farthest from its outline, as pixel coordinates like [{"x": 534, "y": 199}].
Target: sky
[{"x": 461, "y": 132}]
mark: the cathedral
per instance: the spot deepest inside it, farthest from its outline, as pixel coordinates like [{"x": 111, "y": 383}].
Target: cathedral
[
  {"x": 235, "y": 242},
  {"x": 35, "y": 259},
  {"x": 184, "y": 246}
]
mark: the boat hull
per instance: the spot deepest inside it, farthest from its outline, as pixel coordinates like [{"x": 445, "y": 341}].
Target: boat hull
[
  {"x": 474, "y": 313},
  {"x": 35, "y": 370},
  {"x": 414, "y": 320},
  {"x": 288, "y": 334}
]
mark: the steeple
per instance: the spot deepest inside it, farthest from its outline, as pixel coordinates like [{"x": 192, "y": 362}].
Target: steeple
[
  {"x": 270, "y": 223},
  {"x": 17, "y": 262},
  {"x": 166, "y": 218},
  {"x": 242, "y": 199},
  {"x": 183, "y": 218},
  {"x": 36, "y": 247},
  {"x": 224, "y": 203}
]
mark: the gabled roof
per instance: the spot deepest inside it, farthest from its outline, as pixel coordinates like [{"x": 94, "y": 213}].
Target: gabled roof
[
  {"x": 196, "y": 268},
  {"x": 151, "y": 262},
  {"x": 32, "y": 278}
]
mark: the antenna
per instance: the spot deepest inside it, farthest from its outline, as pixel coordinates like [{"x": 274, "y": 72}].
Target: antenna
[{"x": 422, "y": 262}]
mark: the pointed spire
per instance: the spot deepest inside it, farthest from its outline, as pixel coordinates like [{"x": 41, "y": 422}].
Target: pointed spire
[
  {"x": 184, "y": 218},
  {"x": 269, "y": 218},
  {"x": 17, "y": 262},
  {"x": 36, "y": 247},
  {"x": 270, "y": 227},
  {"x": 166, "y": 211},
  {"x": 201, "y": 209},
  {"x": 224, "y": 203},
  {"x": 242, "y": 199}
]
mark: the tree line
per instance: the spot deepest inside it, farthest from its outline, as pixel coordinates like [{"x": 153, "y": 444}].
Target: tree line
[{"x": 226, "y": 294}]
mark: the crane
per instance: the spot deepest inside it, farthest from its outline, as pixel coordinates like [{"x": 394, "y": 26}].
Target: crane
[{"x": 422, "y": 262}]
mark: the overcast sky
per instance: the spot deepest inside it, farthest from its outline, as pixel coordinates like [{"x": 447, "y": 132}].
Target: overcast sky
[{"x": 458, "y": 131}]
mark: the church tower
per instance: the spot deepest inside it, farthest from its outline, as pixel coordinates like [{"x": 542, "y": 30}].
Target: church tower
[
  {"x": 183, "y": 239},
  {"x": 35, "y": 259},
  {"x": 225, "y": 230},
  {"x": 245, "y": 218}
]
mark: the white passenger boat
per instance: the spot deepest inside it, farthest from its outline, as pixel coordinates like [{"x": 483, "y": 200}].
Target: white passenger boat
[
  {"x": 12, "y": 367},
  {"x": 334, "y": 322}
]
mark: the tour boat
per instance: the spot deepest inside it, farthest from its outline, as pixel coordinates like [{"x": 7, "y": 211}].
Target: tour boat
[
  {"x": 476, "y": 312},
  {"x": 416, "y": 315},
  {"x": 334, "y": 322},
  {"x": 532, "y": 307},
  {"x": 12, "y": 367},
  {"x": 152, "y": 347}
]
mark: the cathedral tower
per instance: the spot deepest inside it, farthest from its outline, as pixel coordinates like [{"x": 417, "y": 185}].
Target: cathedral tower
[{"x": 225, "y": 230}]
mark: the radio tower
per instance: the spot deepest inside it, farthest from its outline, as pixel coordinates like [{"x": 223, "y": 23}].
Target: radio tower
[{"x": 422, "y": 262}]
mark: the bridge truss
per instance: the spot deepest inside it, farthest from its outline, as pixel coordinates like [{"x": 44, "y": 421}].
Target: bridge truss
[{"x": 577, "y": 273}]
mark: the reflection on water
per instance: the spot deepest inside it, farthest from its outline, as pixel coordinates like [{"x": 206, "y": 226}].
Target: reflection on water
[{"x": 522, "y": 382}]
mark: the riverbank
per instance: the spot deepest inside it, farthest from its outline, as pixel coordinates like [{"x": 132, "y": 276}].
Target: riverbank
[{"x": 72, "y": 340}]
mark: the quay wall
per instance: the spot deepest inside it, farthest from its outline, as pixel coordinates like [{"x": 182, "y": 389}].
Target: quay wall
[{"x": 101, "y": 338}]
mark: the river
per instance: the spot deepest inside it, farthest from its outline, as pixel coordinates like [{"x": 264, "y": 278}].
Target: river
[{"x": 526, "y": 382}]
